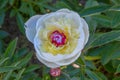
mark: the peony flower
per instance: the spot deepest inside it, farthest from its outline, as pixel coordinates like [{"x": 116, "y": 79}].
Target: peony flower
[{"x": 58, "y": 37}]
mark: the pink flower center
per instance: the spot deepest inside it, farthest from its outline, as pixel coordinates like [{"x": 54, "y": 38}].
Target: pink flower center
[{"x": 57, "y": 38}]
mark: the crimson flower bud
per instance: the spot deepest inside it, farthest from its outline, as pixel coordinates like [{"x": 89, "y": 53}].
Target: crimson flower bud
[{"x": 55, "y": 72}]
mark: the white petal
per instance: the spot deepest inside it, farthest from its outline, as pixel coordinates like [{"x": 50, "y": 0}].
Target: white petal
[
  {"x": 40, "y": 21},
  {"x": 60, "y": 59},
  {"x": 47, "y": 63},
  {"x": 86, "y": 30},
  {"x": 64, "y": 10},
  {"x": 30, "y": 27},
  {"x": 75, "y": 17},
  {"x": 45, "y": 17},
  {"x": 69, "y": 60},
  {"x": 51, "y": 58}
]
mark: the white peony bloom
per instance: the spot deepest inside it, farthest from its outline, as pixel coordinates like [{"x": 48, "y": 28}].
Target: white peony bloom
[{"x": 58, "y": 37}]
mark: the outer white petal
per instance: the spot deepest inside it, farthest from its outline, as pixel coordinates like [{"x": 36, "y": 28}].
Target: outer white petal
[
  {"x": 49, "y": 15},
  {"x": 86, "y": 30},
  {"x": 47, "y": 63},
  {"x": 30, "y": 27},
  {"x": 39, "y": 23},
  {"x": 65, "y": 10},
  {"x": 69, "y": 60}
]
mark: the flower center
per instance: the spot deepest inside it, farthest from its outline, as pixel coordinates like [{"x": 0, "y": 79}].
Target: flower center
[{"x": 57, "y": 38}]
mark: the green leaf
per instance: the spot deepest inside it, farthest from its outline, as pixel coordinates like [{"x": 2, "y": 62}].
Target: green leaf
[
  {"x": 116, "y": 19},
  {"x": 62, "y": 4},
  {"x": 75, "y": 78},
  {"x": 18, "y": 77},
  {"x": 27, "y": 8},
  {"x": 13, "y": 12},
  {"x": 3, "y": 60},
  {"x": 7, "y": 68},
  {"x": 118, "y": 69},
  {"x": 116, "y": 78},
  {"x": 3, "y": 3},
  {"x": 11, "y": 48},
  {"x": 3, "y": 34},
  {"x": 91, "y": 3},
  {"x": 20, "y": 22},
  {"x": 93, "y": 10},
  {"x": 117, "y": 2},
  {"x": 66, "y": 75},
  {"x": 24, "y": 8},
  {"x": 31, "y": 10},
  {"x": 20, "y": 53},
  {"x": 110, "y": 51},
  {"x": 73, "y": 71},
  {"x": 1, "y": 47},
  {"x": 115, "y": 8},
  {"x": 106, "y": 38},
  {"x": 103, "y": 20},
  {"x": 101, "y": 75},
  {"x": 92, "y": 24},
  {"x": 2, "y": 16},
  {"x": 32, "y": 68},
  {"x": 115, "y": 63},
  {"x": 107, "y": 52},
  {"x": 109, "y": 68},
  {"x": 11, "y": 2},
  {"x": 82, "y": 73},
  {"x": 92, "y": 75},
  {"x": 91, "y": 65},
  {"x": 81, "y": 60},
  {"x": 7, "y": 76},
  {"x": 25, "y": 60}
]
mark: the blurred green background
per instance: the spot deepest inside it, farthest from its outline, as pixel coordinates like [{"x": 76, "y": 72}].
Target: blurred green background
[{"x": 100, "y": 59}]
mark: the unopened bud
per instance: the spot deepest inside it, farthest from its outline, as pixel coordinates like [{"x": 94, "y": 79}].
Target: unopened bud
[{"x": 55, "y": 72}]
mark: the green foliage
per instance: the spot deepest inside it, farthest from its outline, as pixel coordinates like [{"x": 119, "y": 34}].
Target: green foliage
[
  {"x": 100, "y": 59},
  {"x": 16, "y": 68}
]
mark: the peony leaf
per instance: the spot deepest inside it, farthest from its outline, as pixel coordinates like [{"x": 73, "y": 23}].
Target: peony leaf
[
  {"x": 116, "y": 78},
  {"x": 25, "y": 60},
  {"x": 7, "y": 76},
  {"x": 91, "y": 65},
  {"x": 91, "y": 3},
  {"x": 109, "y": 68},
  {"x": 3, "y": 34},
  {"x": 20, "y": 74},
  {"x": 11, "y": 48},
  {"x": 20, "y": 22},
  {"x": 101, "y": 75},
  {"x": 2, "y": 16},
  {"x": 7, "y": 68},
  {"x": 118, "y": 69},
  {"x": 93, "y": 10},
  {"x": 115, "y": 8},
  {"x": 103, "y": 20},
  {"x": 106, "y": 38},
  {"x": 3, "y": 3},
  {"x": 92, "y": 75},
  {"x": 3, "y": 60},
  {"x": 11, "y": 2},
  {"x": 32, "y": 68}
]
